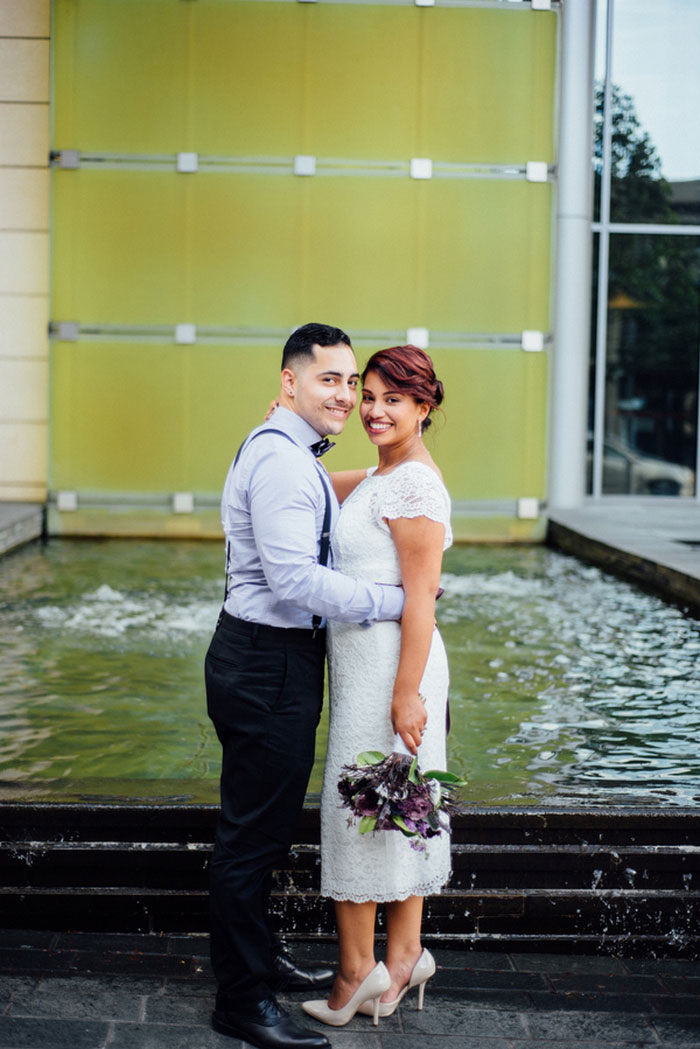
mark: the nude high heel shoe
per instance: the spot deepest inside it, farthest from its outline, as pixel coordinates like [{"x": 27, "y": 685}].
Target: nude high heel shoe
[
  {"x": 366, "y": 996},
  {"x": 420, "y": 974}
]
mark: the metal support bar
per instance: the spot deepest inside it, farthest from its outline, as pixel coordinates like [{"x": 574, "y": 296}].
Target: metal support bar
[{"x": 569, "y": 383}]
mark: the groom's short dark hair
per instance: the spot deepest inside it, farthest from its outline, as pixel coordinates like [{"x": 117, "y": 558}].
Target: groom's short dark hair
[{"x": 301, "y": 342}]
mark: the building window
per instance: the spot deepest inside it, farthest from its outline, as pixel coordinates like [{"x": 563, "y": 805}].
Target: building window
[{"x": 643, "y": 421}]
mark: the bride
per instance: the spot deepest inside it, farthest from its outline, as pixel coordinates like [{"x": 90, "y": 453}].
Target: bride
[{"x": 386, "y": 678}]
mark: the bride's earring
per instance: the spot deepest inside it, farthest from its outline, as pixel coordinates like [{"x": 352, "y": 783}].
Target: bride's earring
[{"x": 420, "y": 427}]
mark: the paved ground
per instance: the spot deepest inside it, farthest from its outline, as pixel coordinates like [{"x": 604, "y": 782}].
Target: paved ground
[
  {"x": 652, "y": 542},
  {"x": 71, "y": 991}
]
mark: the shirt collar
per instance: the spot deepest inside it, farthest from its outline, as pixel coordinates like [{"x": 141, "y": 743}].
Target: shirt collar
[{"x": 294, "y": 425}]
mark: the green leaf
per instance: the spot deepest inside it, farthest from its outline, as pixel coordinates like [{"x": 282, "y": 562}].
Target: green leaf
[
  {"x": 370, "y": 757},
  {"x": 413, "y": 778},
  {"x": 398, "y": 820},
  {"x": 367, "y": 824},
  {"x": 445, "y": 777}
]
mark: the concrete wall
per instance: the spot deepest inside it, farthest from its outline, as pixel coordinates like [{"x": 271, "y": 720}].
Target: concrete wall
[{"x": 24, "y": 247}]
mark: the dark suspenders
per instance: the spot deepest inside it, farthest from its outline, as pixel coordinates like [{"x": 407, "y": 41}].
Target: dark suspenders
[{"x": 325, "y": 529}]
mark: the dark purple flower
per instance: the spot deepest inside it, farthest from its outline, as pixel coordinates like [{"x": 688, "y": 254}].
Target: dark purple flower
[
  {"x": 367, "y": 802},
  {"x": 417, "y": 804}
]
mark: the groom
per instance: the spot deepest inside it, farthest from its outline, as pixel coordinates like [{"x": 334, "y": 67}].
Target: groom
[{"x": 264, "y": 674}]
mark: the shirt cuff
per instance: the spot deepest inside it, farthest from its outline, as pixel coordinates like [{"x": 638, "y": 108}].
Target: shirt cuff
[{"x": 393, "y": 598}]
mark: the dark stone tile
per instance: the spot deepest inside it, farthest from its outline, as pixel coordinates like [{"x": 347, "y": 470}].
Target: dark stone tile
[
  {"x": 341, "y": 1038},
  {"x": 195, "y": 944},
  {"x": 678, "y": 1030},
  {"x": 597, "y": 1028},
  {"x": 30, "y": 959},
  {"x": 471, "y": 960},
  {"x": 582, "y": 1001},
  {"x": 683, "y": 1004},
  {"x": 199, "y": 984},
  {"x": 133, "y": 962},
  {"x": 20, "y": 1033},
  {"x": 480, "y": 1023},
  {"x": 169, "y": 1036},
  {"x": 663, "y": 966},
  {"x": 113, "y": 943},
  {"x": 494, "y": 980},
  {"x": 681, "y": 984},
  {"x": 21, "y": 939},
  {"x": 567, "y": 963},
  {"x": 89, "y": 984},
  {"x": 475, "y": 998},
  {"x": 184, "y": 1008},
  {"x": 85, "y": 1002},
  {"x": 568, "y": 1043},
  {"x": 12, "y": 985},
  {"x": 605, "y": 983},
  {"x": 442, "y": 1041}
]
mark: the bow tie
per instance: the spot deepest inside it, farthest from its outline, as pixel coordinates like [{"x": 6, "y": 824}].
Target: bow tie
[{"x": 321, "y": 447}]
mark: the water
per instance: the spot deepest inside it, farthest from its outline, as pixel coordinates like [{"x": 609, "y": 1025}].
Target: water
[{"x": 568, "y": 686}]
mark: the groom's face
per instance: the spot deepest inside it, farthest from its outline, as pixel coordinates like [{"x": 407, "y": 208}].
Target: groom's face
[{"x": 324, "y": 390}]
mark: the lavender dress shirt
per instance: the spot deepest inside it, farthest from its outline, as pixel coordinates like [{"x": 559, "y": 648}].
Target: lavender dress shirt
[{"x": 272, "y": 513}]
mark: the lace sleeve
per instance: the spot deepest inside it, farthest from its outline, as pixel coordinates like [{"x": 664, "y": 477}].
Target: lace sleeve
[{"x": 415, "y": 490}]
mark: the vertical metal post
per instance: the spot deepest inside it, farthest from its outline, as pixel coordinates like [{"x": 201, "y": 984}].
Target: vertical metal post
[
  {"x": 572, "y": 282},
  {"x": 697, "y": 434},
  {"x": 603, "y": 264}
]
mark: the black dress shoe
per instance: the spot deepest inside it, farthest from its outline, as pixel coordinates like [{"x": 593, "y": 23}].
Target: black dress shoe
[
  {"x": 267, "y": 1026},
  {"x": 289, "y": 977}
]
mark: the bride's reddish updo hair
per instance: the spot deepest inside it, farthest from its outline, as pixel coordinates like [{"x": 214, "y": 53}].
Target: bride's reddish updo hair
[{"x": 409, "y": 370}]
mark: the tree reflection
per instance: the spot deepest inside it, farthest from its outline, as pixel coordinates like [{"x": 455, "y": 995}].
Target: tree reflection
[{"x": 653, "y": 331}]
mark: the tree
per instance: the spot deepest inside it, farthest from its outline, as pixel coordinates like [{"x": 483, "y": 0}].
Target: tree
[{"x": 653, "y": 296}]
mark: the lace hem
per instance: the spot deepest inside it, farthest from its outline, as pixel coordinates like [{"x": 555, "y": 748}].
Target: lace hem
[{"x": 428, "y": 888}]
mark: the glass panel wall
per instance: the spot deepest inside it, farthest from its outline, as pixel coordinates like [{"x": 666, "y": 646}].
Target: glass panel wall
[
  {"x": 651, "y": 378},
  {"x": 643, "y": 436},
  {"x": 656, "y": 131}
]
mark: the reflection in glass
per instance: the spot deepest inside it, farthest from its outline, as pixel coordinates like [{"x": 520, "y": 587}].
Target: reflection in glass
[
  {"x": 656, "y": 98},
  {"x": 653, "y": 340}
]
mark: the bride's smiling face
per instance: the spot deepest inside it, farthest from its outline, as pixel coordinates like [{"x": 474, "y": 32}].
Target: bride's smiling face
[{"x": 389, "y": 416}]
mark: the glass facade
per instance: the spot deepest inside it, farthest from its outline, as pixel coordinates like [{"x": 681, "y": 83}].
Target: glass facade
[
  {"x": 643, "y": 437},
  {"x": 240, "y": 249}
]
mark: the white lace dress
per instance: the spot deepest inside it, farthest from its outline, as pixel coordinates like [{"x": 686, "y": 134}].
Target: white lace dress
[{"x": 362, "y": 666}]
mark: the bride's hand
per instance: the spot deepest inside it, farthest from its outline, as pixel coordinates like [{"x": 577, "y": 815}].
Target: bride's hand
[
  {"x": 408, "y": 718},
  {"x": 274, "y": 405}
]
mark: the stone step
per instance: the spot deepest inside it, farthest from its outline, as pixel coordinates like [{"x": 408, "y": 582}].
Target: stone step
[{"x": 546, "y": 880}]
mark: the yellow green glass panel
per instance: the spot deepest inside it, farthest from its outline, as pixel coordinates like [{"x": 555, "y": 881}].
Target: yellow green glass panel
[
  {"x": 345, "y": 80},
  {"x": 496, "y": 104},
  {"x": 245, "y": 249},
  {"x": 230, "y": 389},
  {"x": 362, "y": 81},
  {"x": 359, "y": 251},
  {"x": 120, "y": 247},
  {"x": 121, "y": 80},
  {"x": 493, "y": 440},
  {"x": 118, "y": 417},
  {"x": 263, "y": 251},
  {"x": 137, "y": 417},
  {"x": 248, "y": 83},
  {"x": 485, "y": 263}
]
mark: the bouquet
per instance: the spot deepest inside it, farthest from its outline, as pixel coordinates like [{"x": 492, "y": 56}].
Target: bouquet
[{"x": 391, "y": 793}]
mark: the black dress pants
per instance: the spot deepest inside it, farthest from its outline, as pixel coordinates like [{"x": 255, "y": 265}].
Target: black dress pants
[{"x": 264, "y": 695}]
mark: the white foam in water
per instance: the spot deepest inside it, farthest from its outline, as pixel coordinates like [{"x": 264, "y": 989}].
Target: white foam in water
[{"x": 106, "y": 612}]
